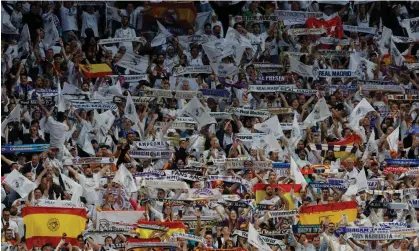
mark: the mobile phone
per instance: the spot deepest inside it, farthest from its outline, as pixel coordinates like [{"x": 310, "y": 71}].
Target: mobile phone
[
  {"x": 276, "y": 190},
  {"x": 180, "y": 213}
]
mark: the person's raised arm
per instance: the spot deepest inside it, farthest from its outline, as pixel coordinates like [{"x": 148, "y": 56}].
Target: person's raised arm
[
  {"x": 74, "y": 172},
  {"x": 45, "y": 110}
]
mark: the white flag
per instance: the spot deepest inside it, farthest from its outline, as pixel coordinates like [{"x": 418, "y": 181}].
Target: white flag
[
  {"x": 307, "y": 71},
  {"x": 135, "y": 63},
  {"x": 14, "y": 116},
  {"x": 385, "y": 40},
  {"x": 412, "y": 27},
  {"x": 371, "y": 146},
  {"x": 320, "y": 112},
  {"x": 7, "y": 26},
  {"x": 161, "y": 37},
  {"x": 296, "y": 174},
  {"x": 51, "y": 34},
  {"x": 271, "y": 125},
  {"x": 359, "y": 113},
  {"x": 61, "y": 104},
  {"x": 359, "y": 63},
  {"x": 20, "y": 183},
  {"x": 393, "y": 139},
  {"x": 296, "y": 133},
  {"x": 396, "y": 55},
  {"x": 70, "y": 89},
  {"x": 224, "y": 70},
  {"x": 112, "y": 13},
  {"x": 130, "y": 112},
  {"x": 201, "y": 19},
  {"x": 84, "y": 141},
  {"x": 74, "y": 188},
  {"x": 124, "y": 177},
  {"x": 115, "y": 89},
  {"x": 254, "y": 239},
  {"x": 24, "y": 36},
  {"x": 272, "y": 145},
  {"x": 360, "y": 184},
  {"x": 197, "y": 111}
]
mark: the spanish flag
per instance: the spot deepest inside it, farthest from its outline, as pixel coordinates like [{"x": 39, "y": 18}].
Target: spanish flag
[
  {"x": 259, "y": 190},
  {"x": 96, "y": 70},
  {"x": 349, "y": 141},
  {"x": 48, "y": 224},
  {"x": 310, "y": 215},
  {"x": 154, "y": 229},
  {"x": 333, "y": 26}
]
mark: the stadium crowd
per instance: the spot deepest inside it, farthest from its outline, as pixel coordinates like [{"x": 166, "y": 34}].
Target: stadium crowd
[{"x": 210, "y": 125}]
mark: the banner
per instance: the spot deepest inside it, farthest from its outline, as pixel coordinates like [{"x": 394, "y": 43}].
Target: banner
[
  {"x": 333, "y": 211},
  {"x": 339, "y": 73},
  {"x": 176, "y": 94},
  {"x": 283, "y": 213},
  {"x": 378, "y": 235},
  {"x": 56, "y": 203},
  {"x": 306, "y": 31},
  {"x": 380, "y": 204},
  {"x": 402, "y": 162},
  {"x": 397, "y": 39},
  {"x": 27, "y": 148},
  {"x": 131, "y": 78},
  {"x": 334, "y": 53},
  {"x": 261, "y": 18},
  {"x": 279, "y": 110},
  {"x": 138, "y": 154},
  {"x": 186, "y": 176},
  {"x": 403, "y": 97},
  {"x": 288, "y": 14},
  {"x": 248, "y": 164},
  {"x": 196, "y": 69},
  {"x": 150, "y": 144},
  {"x": 264, "y": 78},
  {"x": 335, "y": 148},
  {"x": 248, "y": 112},
  {"x": 231, "y": 179},
  {"x": 89, "y": 161},
  {"x": 146, "y": 230},
  {"x": 249, "y": 136},
  {"x": 215, "y": 92},
  {"x": 294, "y": 21},
  {"x": 322, "y": 185},
  {"x": 221, "y": 115},
  {"x": 306, "y": 229},
  {"x": 332, "y": 40},
  {"x": 385, "y": 88},
  {"x": 280, "y": 88},
  {"x": 94, "y": 105},
  {"x": 189, "y": 237},
  {"x": 175, "y": 125},
  {"x": 350, "y": 28}
]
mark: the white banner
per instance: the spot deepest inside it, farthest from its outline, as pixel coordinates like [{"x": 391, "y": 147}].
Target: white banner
[
  {"x": 94, "y": 105},
  {"x": 175, "y": 125},
  {"x": 221, "y": 115},
  {"x": 88, "y": 161},
  {"x": 302, "y": 69},
  {"x": 112, "y": 13},
  {"x": 339, "y": 73},
  {"x": 406, "y": 40},
  {"x": 386, "y": 88},
  {"x": 55, "y": 203},
  {"x": 150, "y": 154},
  {"x": 306, "y": 31},
  {"x": 166, "y": 184},
  {"x": 351, "y": 28},
  {"x": 178, "y": 94},
  {"x": 150, "y": 144},
  {"x": 288, "y": 14},
  {"x": 131, "y": 78},
  {"x": 118, "y": 40},
  {"x": 332, "y": 40},
  {"x": 249, "y": 112},
  {"x": 195, "y": 69},
  {"x": 295, "y": 21},
  {"x": 283, "y": 213}
]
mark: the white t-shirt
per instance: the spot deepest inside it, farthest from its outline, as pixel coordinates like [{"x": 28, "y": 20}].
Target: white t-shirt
[
  {"x": 271, "y": 201},
  {"x": 128, "y": 32},
  {"x": 69, "y": 19},
  {"x": 89, "y": 185},
  {"x": 57, "y": 132},
  {"x": 90, "y": 21},
  {"x": 12, "y": 226}
]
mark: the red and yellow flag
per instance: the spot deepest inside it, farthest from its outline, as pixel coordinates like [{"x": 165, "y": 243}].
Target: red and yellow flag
[
  {"x": 153, "y": 231},
  {"x": 48, "y": 224},
  {"x": 310, "y": 215},
  {"x": 349, "y": 141},
  {"x": 333, "y": 26},
  {"x": 96, "y": 70},
  {"x": 259, "y": 190}
]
